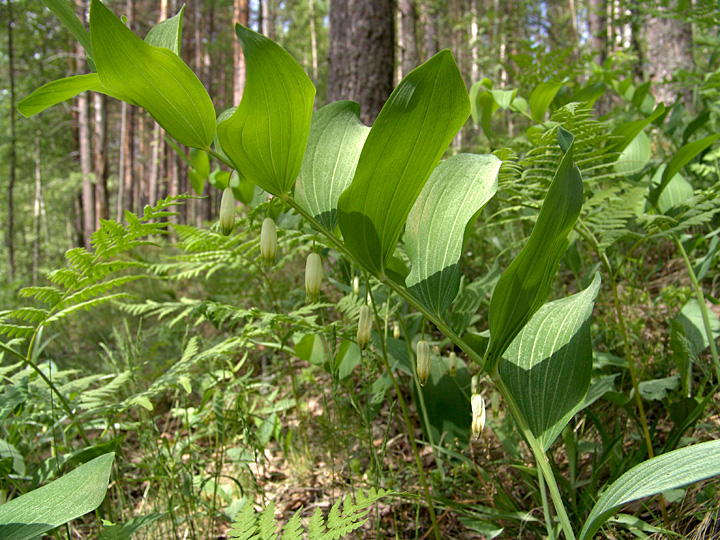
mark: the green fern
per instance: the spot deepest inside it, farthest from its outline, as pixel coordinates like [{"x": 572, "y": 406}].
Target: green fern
[{"x": 249, "y": 525}]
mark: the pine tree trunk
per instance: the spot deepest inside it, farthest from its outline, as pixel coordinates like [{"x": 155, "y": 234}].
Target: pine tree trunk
[
  {"x": 597, "y": 27},
  {"x": 407, "y": 37},
  {"x": 669, "y": 48},
  {"x": 360, "y": 64},
  {"x": 12, "y": 158},
  {"x": 100, "y": 148},
  {"x": 313, "y": 41},
  {"x": 240, "y": 15},
  {"x": 37, "y": 208}
]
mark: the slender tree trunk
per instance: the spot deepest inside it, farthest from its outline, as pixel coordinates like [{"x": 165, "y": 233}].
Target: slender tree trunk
[
  {"x": 429, "y": 22},
  {"x": 361, "y": 54},
  {"x": 313, "y": 41},
  {"x": 241, "y": 14},
  {"x": 100, "y": 147},
  {"x": 84, "y": 143},
  {"x": 474, "y": 42},
  {"x": 12, "y": 158},
  {"x": 407, "y": 37},
  {"x": 597, "y": 27},
  {"x": 37, "y": 208},
  {"x": 268, "y": 18},
  {"x": 88, "y": 188}
]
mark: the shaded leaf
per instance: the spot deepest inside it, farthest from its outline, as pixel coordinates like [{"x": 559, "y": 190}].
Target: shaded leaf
[{"x": 547, "y": 367}]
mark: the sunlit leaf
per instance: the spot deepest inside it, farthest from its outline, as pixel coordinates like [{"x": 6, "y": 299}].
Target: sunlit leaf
[
  {"x": 167, "y": 33},
  {"x": 71, "y": 496},
  {"x": 453, "y": 194},
  {"x": 154, "y": 78},
  {"x": 334, "y": 144},
  {"x": 526, "y": 284},
  {"x": 668, "y": 471},
  {"x": 681, "y": 158},
  {"x": 412, "y": 131},
  {"x": 266, "y": 135},
  {"x": 61, "y": 90},
  {"x": 541, "y": 98}
]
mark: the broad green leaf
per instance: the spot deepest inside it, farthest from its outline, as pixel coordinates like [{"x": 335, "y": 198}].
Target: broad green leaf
[
  {"x": 525, "y": 285},
  {"x": 547, "y": 367},
  {"x": 167, "y": 33},
  {"x": 475, "y": 91},
  {"x": 677, "y": 191},
  {"x": 334, "y": 144},
  {"x": 589, "y": 93},
  {"x": 692, "y": 320},
  {"x": 657, "y": 389},
  {"x": 61, "y": 90},
  {"x": 681, "y": 158},
  {"x": 219, "y": 179},
  {"x": 504, "y": 98},
  {"x": 75, "y": 494},
  {"x": 453, "y": 194},
  {"x": 668, "y": 471},
  {"x": 628, "y": 131},
  {"x": 154, "y": 78},
  {"x": 541, "y": 98},
  {"x": 447, "y": 403},
  {"x": 199, "y": 169},
  {"x": 63, "y": 11},
  {"x": 412, "y": 131},
  {"x": 265, "y": 137},
  {"x": 635, "y": 156},
  {"x": 348, "y": 357}
]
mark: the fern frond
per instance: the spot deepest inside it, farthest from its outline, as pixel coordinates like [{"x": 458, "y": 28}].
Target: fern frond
[
  {"x": 85, "y": 305},
  {"x": 101, "y": 398},
  {"x": 28, "y": 314},
  {"x": 249, "y": 526},
  {"x": 48, "y": 295}
]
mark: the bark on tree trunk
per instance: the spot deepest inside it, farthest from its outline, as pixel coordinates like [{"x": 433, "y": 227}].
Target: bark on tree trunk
[
  {"x": 428, "y": 17},
  {"x": 313, "y": 41},
  {"x": 240, "y": 15},
  {"x": 360, "y": 64},
  {"x": 12, "y": 158},
  {"x": 37, "y": 207},
  {"x": 407, "y": 38},
  {"x": 597, "y": 27},
  {"x": 669, "y": 48},
  {"x": 100, "y": 147}
]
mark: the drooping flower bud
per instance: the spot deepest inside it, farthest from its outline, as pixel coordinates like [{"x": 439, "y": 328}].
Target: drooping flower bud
[
  {"x": 356, "y": 285},
  {"x": 474, "y": 384},
  {"x": 268, "y": 242},
  {"x": 478, "y": 415},
  {"x": 396, "y": 330},
  {"x": 423, "y": 361},
  {"x": 313, "y": 277},
  {"x": 227, "y": 212},
  {"x": 364, "y": 331},
  {"x": 452, "y": 364}
]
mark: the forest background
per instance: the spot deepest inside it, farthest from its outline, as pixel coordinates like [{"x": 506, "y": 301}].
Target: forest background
[{"x": 204, "y": 423}]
